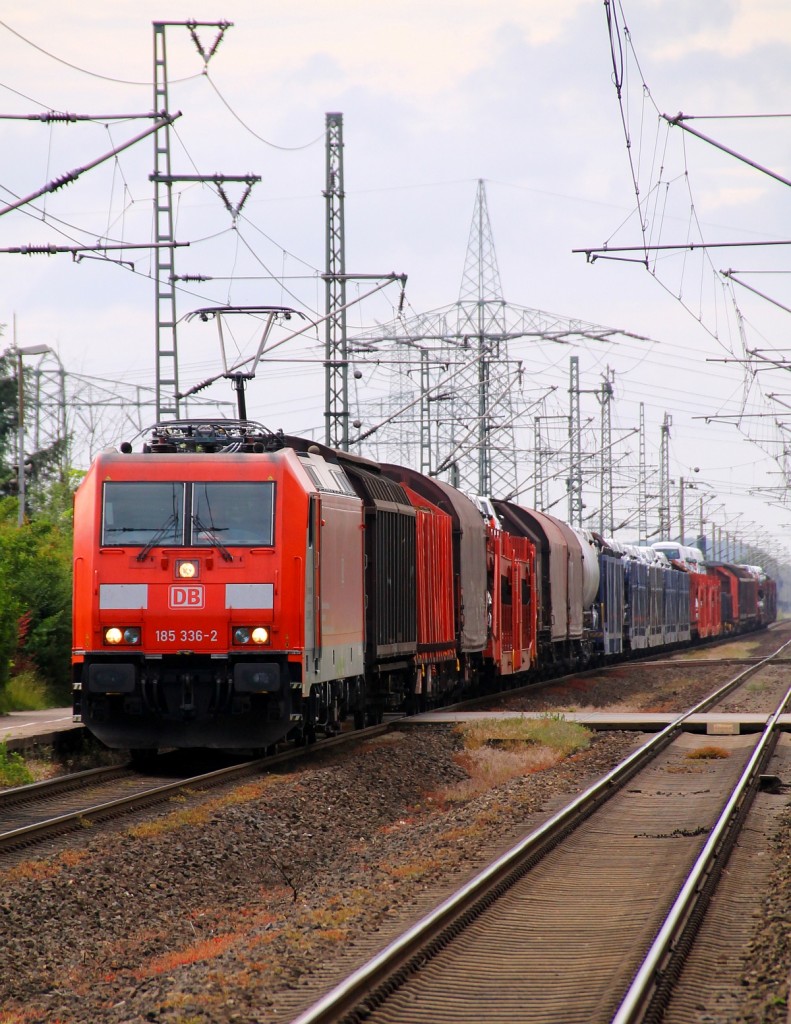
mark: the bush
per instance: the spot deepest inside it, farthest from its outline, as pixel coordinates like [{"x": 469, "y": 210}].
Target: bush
[
  {"x": 24, "y": 692},
  {"x": 13, "y": 770},
  {"x": 35, "y": 600}
]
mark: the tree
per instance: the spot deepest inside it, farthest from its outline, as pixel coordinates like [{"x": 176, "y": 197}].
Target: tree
[
  {"x": 8, "y": 423},
  {"x": 35, "y": 559},
  {"x": 45, "y": 467},
  {"x": 35, "y": 599}
]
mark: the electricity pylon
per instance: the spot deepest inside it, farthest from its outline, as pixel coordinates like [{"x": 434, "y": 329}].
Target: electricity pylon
[{"x": 474, "y": 426}]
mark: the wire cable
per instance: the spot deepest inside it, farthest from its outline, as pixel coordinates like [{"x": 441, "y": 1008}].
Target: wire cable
[
  {"x": 86, "y": 71},
  {"x": 247, "y": 128}
]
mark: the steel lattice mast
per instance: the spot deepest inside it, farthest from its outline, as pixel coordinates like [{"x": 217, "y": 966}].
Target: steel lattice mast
[
  {"x": 482, "y": 417},
  {"x": 606, "y": 521},
  {"x": 575, "y": 444},
  {"x": 664, "y": 479},
  {"x": 642, "y": 495},
  {"x": 470, "y": 405},
  {"x": 167, "y": 371},
  {"x": 167, "y": 368},
  {"x": 336, "y": 366}
]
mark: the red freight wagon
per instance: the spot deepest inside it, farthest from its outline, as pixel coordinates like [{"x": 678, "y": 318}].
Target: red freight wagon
[
  {"x": 436, "y": 634},
  {"x": 218, "y": 594},
  {"x": 512, "y": 643},
  {"x": 739, "y": 596},
  {"x": 559, "y": 584},
  {"x": 469, "y": 560},
  {"x": 767, "y": 599},
  {"x": 705, "y": 606}
]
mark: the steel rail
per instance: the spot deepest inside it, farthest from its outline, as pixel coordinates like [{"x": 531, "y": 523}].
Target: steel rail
[
  {"x": 651, "y": 985},
  {"x": 59, "y": 824},
  {"x": 369, "y": 983},
  {"x": 35, "y": 791}
]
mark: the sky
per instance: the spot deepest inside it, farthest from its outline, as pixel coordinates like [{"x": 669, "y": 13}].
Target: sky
[{"x": 537, "y": 100}]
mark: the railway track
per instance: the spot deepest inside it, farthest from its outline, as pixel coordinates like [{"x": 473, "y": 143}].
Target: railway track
[
  {"x": 590, "y": 917},
  {"x": 40, "y": 811},
  {"x": 32, "y": 813}
]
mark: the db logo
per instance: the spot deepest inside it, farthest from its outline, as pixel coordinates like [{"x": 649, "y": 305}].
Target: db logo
[{"x": 186, "y": 597}]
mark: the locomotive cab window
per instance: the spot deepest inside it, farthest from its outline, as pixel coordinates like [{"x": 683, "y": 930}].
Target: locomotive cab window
[
  {"x": 142, "y": 513},
  {"x": 233, "y": 513}
]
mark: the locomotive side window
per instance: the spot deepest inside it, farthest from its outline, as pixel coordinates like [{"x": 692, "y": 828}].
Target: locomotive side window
[
  {"x": 342, "y": 481},
  {"x": 233, "y": 513},
  {"x": 324, "y": 477},
  {"x": 142, "y": 513}
]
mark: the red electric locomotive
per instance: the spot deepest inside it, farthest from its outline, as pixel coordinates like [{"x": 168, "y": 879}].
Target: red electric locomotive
[{"x": 218, "y": 591}]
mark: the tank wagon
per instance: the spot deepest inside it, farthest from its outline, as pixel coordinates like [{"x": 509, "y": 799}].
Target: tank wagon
[{"x": 234, "y": 587}]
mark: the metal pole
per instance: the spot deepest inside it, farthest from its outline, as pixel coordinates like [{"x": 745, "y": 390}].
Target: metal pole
[
  {"x": 681, "y": 509},
  {"x": 538, "y": 484},
  {"x": 425, "y": 414},
  {"x": 700, "y": 532},
  {"x": 642, "y": 498},
  {"x": 575, "y": 452},
  {"x": 20, "y": 387},
  {"x": 336, "y": 365}
]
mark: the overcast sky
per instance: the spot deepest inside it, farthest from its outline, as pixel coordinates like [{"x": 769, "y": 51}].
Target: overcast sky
[{"x": 435, "y": 96}]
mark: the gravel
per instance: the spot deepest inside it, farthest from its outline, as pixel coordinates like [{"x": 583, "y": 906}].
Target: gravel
[{"x": 243, "y": 906}]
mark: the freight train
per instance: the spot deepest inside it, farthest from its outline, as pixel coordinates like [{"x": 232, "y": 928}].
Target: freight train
[{"x": 234, "y": 587}]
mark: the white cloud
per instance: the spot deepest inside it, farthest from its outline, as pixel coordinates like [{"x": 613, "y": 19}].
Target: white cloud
[{"x": 729, "y": 29}]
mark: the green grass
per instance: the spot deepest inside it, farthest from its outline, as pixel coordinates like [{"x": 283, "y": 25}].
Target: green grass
[
  {"x": 24, "y": 692},
  {"x": 13, "y": 770},
  {"x": 499, "y": 750},
  {"x": 552, "y": 731}
]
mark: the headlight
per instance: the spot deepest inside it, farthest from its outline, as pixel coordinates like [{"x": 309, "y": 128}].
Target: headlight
[
  {"x": 187, "y": 569},
  {"x": 250, "y": 634},
  {"x": 129, "y": 635}
]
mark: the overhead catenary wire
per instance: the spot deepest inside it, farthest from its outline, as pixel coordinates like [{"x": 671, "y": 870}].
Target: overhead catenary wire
[{"x": 658, "y": 390}]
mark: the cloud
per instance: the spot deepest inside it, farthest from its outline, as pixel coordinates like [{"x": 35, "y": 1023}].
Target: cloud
[{"x": 728, "y": 29}]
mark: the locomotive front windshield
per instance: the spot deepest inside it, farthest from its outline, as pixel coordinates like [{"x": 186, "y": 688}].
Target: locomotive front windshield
[
  {"x": 217, "y": 513},
  {"x": 232, "y": 513},
  {"x": 139, "y": 513}
]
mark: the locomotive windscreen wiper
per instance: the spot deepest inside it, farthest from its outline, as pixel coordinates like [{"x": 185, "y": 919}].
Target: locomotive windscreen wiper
[
  {"x": 211, "y": 534},
  {"x": 156, "y": 538}
]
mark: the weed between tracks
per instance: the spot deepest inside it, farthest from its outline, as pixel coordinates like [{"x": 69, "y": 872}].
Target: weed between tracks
[
  {"x": 498, "y": 750},
  {"x": 39, "y": 870},
  {"x": 202, "y": 813},
  {"x": 708, "y": 753}
]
